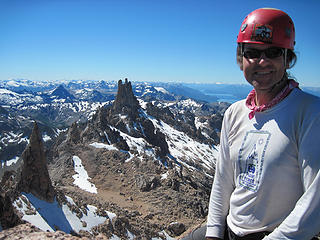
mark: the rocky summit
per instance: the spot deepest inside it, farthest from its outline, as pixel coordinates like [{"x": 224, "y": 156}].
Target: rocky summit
[{"x": 135, "y": 168}]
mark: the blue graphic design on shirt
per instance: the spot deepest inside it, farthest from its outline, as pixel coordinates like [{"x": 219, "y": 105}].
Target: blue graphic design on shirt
[{"x": 251, "y": 156}]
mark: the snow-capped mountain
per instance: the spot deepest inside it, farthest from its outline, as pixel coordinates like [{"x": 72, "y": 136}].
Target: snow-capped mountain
[
  {"x": 56, "y": 105},
  {"x": 137, "y": 165}
]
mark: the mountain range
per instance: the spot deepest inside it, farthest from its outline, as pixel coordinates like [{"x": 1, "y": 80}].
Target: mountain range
[
  {"x": 111, "y": 160},
  {"x": 56, "y": 105}
]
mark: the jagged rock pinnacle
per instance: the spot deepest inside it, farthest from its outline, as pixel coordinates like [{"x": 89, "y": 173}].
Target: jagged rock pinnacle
[
  {"x": 125, "y": 101},
  {"x": 34, "y": 174}
]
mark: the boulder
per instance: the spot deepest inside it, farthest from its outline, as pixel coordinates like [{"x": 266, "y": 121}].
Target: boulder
[{"x": 176, "y": 228}]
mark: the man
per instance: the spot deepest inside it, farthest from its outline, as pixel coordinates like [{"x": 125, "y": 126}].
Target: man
[{"x": 267, "y": 177}]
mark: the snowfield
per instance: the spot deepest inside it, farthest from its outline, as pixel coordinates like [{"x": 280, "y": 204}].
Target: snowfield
[
  {"x": 81, "y": 179},
  {"x": 52, "y": 216}
]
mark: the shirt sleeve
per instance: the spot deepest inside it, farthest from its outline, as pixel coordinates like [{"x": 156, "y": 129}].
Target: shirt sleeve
[
  {"x": 304, "y": 220},
  {"x": 223, "y": 186}
]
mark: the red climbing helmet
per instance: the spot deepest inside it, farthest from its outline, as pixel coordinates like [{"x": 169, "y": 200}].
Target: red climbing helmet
[{"x": 268, "y": 26}]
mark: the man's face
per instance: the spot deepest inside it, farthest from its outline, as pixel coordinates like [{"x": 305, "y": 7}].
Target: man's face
[{"x": 262, "y": 72}]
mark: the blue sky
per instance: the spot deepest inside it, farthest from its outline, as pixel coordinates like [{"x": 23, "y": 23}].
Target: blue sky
[{"x": 143, "y": 40}]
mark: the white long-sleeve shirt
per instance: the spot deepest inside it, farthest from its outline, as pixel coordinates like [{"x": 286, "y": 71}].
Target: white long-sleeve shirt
[{"x": 267, "y": 177}]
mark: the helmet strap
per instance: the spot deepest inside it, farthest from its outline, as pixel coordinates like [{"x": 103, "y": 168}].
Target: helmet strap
[
  {"x": 285, "y": 75},
  {"x": 241, "y": 48},
  {"x": 285, "y": 57}
]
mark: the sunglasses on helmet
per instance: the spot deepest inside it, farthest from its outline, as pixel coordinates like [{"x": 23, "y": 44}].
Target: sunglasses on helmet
[{"x": 252, "y": 53}]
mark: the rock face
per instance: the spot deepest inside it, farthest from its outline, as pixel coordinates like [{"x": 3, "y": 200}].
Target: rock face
[
  {"x": 62, "y": 93},
  {"x": 73, "y": 134},
  {"x": 8, "y": 217},
  {"x": 125, "y": 101},
  {"x": 125, "y": 115},
  {"x": 29, "y": 174},
  {"x": 176, "y": 228},
  {"x": 34, "y": 176}
]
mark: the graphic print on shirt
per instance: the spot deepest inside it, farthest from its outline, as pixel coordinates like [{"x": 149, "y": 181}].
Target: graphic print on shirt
[{"x": 251, "y": 156}]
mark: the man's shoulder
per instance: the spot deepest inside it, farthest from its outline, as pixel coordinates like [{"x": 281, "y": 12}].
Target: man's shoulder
[
  {"x": 238, "y": 106},
  {"x": 306, "y": 99},
  {"x": 236, "y": 111}
]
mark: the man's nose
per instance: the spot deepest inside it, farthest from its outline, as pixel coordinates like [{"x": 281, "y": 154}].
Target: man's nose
[{"x": 263, "y": 59}]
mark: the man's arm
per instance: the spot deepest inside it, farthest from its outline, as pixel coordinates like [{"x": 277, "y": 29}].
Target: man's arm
[
  {"x": 223, "y": 186},
  {"x": 304, "y": 220}
]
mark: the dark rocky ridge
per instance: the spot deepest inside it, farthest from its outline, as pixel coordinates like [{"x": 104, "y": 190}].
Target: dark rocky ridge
[
  {"x": 125, "y": 115},
  {"x": 30, "y": 174}
]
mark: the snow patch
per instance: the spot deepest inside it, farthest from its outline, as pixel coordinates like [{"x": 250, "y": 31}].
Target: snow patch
[
  {"x": 89, "y": 216},
  {"x": 161, "y": 89},
  {"x": 184, "y": 149},
  {"x": 164, "y": 176},
  {"x": 52, "y": 216},
  {"x": 142, "y": 103},
  {"x": 81, "y": 179},
  {"x": 46, "y": 216},
  {"x": 35, "y": 218},
  {"x": 103, "y": 145},
  {"x": 12, "y": 161},
  {"x": 46, "y": 137}
]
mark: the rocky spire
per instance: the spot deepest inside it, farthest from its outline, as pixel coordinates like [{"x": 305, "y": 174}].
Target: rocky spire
[
  {"x": 125, "y": 101},
  {"x": 34, "y": 174}
]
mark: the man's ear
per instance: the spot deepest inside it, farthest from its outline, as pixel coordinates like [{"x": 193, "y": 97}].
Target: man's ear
[{"x": 287, "y": 65}]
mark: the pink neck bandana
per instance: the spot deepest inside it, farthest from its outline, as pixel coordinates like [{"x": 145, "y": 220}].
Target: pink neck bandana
[{"x": 251, "y": 103}]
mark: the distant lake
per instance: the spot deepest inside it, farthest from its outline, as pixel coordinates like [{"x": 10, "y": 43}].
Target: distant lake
[{"x": 224, "y": 97}]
